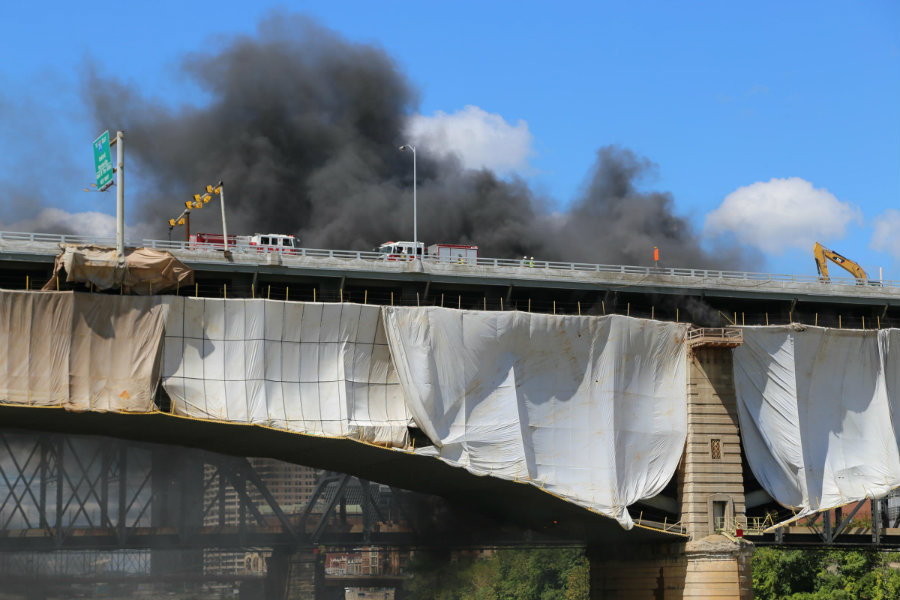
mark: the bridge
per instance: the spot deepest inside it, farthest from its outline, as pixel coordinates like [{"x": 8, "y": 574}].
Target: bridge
[
  {"x": 383, "y": 406},
  {"x": 704, "y": 297}
]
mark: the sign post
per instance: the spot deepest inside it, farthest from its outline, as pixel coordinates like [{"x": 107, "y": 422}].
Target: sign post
[
  {"x": 103, "y": 162},
  {"x": 104, "y": 168},
  {"x": 120, "y": 197}
]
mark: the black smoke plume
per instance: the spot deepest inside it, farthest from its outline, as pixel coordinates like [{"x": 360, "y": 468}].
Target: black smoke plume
[{"x": 304, "y": 129}]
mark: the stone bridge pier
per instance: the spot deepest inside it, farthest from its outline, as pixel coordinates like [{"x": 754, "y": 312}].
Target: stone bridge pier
[{"x": 710, "y": 491}]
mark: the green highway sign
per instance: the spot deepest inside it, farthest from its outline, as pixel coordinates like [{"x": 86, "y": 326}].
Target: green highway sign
[{"x": 103, "y": 161}]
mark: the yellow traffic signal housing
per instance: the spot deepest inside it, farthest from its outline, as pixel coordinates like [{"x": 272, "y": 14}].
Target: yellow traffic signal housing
[
  {"x": 209, "y": 189},
  {"x": 172, "y": 223},
  {"x": 189, "y": 204}
]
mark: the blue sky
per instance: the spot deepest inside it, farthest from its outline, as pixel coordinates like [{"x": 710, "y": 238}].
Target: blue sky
[{"x": 723, "y": 97}]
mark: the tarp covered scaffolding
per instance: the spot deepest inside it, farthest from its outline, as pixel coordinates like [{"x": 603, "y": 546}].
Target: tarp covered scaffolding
[
  {"x": 314, "y": 368},
  {"x": 819, "y": 411},
  {"x": 80, "y": 351},
  {"x": 145, "y": 270},
  {"x": 589, "y": 408},
  {"x": 592, "y": 409}
]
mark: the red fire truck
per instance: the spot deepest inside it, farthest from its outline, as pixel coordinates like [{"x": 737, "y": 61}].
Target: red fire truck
[{"x": 261, "y": 242}]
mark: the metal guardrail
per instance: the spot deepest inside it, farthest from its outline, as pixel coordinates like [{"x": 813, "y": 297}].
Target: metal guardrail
[
  {"x": 743, "y": 526},
  {"x": 708, "y": 274},
  {"x": 715, "y": 336},
  {"x": 728, "y": 333},
  {"x": 676, "y": 527}
]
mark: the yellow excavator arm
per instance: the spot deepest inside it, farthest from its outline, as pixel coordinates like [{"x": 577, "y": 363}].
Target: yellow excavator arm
[{"x": 823, "y": 255}]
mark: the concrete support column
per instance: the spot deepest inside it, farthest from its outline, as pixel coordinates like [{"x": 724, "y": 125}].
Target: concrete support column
[
  {"x": 304, "y": 578},
  {"x": 717, "y": 568},
  {"x": 647, "y": 572},
  {"x": 277, "y": 565},
  {"x": 710, "y": 481},
  {"x": 176, "y": 482},
  {"x": 712, "y": 568}
]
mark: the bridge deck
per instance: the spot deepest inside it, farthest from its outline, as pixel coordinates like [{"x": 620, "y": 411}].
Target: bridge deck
[{"x": 357, "y": 265}]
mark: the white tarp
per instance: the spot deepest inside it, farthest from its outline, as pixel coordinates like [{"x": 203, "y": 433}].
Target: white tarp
[
  {"x": 817, "y": 408},
  {"x": 80, "y": 351},
  {"x": 589, "y": 408},
  {"x": 321, "y": 369}
]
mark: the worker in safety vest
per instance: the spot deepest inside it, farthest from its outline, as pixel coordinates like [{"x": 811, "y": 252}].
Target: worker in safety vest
[
  {"x": 531, "y": 264},
  {"x": 524, "y": 261}
]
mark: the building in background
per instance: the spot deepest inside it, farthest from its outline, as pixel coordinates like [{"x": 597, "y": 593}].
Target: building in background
[{"x": 290, "y": 485}]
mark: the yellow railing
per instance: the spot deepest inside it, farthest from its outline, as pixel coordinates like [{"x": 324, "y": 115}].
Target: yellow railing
[
  {"x": 729, "y": 336},
  {"x": 747, "y": 525},
  {"x": 667, "y": 526}
]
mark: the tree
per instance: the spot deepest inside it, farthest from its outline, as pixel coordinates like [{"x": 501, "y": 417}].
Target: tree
[
  {"x": 534, "y": 574},
  {"x": 824, "y": 574}
]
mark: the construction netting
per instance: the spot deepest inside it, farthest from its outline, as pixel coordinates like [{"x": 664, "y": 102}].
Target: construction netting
[
  {"x": 320, "y": 369},
  {"x": 80, "y": 351},
  {"x": 817, "y": 410},
  {"x": 592, "y": 409}
]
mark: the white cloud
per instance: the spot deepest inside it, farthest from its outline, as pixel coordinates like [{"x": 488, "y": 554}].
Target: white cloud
[
  {"x": 56, "y": 220},
  {"x": 780, "y": 214},
  {"x": 480, "y": 139},
  {"x": 886, "y": 234}
]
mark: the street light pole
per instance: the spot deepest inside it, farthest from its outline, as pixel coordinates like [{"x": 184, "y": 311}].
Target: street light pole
[
  {"x": 415, "y": 216},
  {"x": 221, "y": 187}
]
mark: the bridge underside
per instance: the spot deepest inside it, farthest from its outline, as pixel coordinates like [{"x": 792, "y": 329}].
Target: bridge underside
[{"x": 514, "y": 503}]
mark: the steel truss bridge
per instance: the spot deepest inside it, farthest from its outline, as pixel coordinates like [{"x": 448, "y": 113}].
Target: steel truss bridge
[
  {"x": 73, "y": 492},
  {"x": 89, "y": 510},
  {"x": 841, "y": 527}
]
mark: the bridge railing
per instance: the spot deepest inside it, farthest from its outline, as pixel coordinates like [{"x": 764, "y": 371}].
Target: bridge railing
[
  {"x": 772, "y": 279},
  {"x": 715, "y": 336}
]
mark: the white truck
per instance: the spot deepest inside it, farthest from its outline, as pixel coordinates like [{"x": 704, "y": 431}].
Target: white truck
[
  {"x": 401, "y": 250},
  {"x": 460, "y": 254}
]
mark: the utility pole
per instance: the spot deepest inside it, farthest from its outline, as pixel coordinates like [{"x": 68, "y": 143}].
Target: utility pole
[{"x": 412, "y": 148}]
